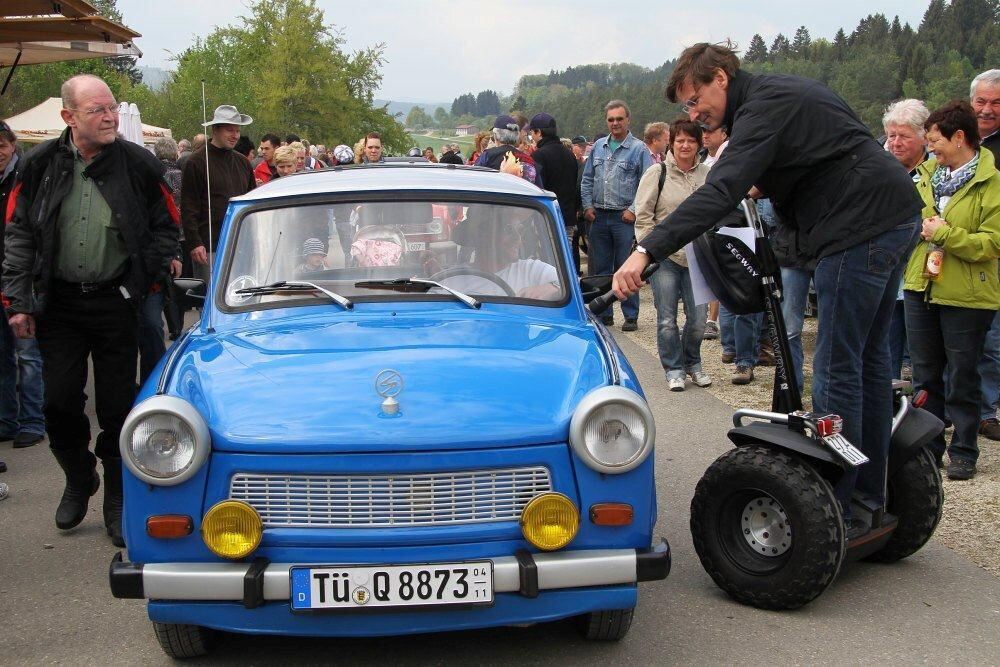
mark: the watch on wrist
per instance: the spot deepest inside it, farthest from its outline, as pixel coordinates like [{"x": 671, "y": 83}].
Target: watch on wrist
[{"x": 639, "y": 248}]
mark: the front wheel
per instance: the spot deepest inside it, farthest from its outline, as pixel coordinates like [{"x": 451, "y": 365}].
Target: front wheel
[
  {"x": 606, "y": 625},
  {"x": 767, "y": 528},
  {"x": 184, "y": 641},
  {"x": 916, "y": 498}
]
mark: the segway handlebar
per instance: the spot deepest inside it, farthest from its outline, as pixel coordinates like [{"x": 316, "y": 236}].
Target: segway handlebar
[{"x": 601, "y": 303}]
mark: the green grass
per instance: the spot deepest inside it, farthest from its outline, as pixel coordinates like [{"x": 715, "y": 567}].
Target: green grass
[{"x": 423, "y": 141}]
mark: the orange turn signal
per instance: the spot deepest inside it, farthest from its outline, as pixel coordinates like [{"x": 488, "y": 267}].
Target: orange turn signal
[
  {"x": 611, "y": 514},
  {"x": 169, "y": 526}
]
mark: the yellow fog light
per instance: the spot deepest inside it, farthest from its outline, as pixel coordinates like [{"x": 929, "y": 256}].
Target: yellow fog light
[
  {"x": 231, "y": 529},
  {"x": 550, "y": 521}
]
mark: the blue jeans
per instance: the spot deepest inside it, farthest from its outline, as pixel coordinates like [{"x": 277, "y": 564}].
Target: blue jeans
[
  {"x": 21, "y": 385},
  {"x": 795, "y": 293},
  {"x": 856, "y": 289},
  {"x": 946, "y": 345},
  {"x": 151, "y": 345},
  {"x": 746, "y": 335},
  {"x": 678, "y": 353},
  {"x": 726, "y": 334},
  {"x": 989, "y": 371},
  {"x": 610, "y": 240}
]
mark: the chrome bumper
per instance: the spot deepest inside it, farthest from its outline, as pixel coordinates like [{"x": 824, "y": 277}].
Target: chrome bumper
[{"x": 259, "y": 581}]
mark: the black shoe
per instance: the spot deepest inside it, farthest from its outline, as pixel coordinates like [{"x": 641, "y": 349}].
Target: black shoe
[
  {"x": 630, "y": 324},
  {"x": 608, "y": 320},
  {"x": 961, "y": 470},
  {"x": 22, "y": 440},
  {"x": 113, "y": 500},
  {"x": 855, "y": 528},
  {"x": 988, "y": 428},
  {"x": 82, "y": 482}
]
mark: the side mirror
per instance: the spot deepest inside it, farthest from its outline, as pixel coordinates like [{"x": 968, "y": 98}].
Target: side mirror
[
  {"x": 193, "y": 291},
  {"x": 594, "y": 286}
]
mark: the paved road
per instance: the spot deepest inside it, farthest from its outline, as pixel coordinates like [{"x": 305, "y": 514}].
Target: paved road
[{"x": 934, "y": 607}]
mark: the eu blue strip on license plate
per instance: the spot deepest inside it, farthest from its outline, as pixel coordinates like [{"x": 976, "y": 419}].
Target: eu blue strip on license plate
[{"x": 357, "y": 586}]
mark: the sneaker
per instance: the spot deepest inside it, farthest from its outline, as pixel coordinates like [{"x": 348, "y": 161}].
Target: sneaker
[
  {"x": 4, "y": 491},
  {"x": 743, "y": 374},
  {"x": 608, "y": 320},
  {"x": 990, "y": 428},
  {"x": 728, "y": 357},
  {"x": 630, "y": 324},
  {"x": 765, "y": 358},
  {"x": 711, "y": 330},
  {"x": 961, "y": 470},
  {"x": 23, "y": 440},
  {"x": 701, "y": 379},
  {"x": 675, "y": 384}
]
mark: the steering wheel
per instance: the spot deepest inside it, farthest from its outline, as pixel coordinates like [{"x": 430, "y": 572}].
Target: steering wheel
[{"x": 463, "y": 270}]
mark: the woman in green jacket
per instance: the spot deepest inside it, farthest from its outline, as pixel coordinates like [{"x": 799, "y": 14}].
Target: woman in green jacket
[{"x": 947, "y": 318}]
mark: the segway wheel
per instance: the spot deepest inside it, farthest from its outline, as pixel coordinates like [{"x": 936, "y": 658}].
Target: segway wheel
[
  {"x": 916, "y": 497},
  {"x": 767, "y": 528}
]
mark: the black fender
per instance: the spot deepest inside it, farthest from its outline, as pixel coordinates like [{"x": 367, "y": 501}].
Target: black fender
[
  {"x": 781, "y": 437},
  {"x": 916, "y": 430}
]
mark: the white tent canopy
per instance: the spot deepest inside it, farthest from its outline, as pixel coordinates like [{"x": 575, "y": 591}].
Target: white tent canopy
[{"x": 44, "y": 122}]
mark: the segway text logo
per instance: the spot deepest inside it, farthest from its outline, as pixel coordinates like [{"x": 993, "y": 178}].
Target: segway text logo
[{"x": 743, "y": 260}]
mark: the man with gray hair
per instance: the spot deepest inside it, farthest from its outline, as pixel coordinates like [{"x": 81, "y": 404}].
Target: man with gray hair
[
  {"x": 506, "y": 134},
  {"x": 984, "y": 94}
]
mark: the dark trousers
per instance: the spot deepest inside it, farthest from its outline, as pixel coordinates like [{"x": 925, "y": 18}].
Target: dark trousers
[
  {"x": 73, "y": 327},
  {"x": 948, "y": 337}
]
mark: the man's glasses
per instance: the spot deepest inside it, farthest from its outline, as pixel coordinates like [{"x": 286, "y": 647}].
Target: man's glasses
[
  {"x": 617, "y": 119},
  {"x": 690, "y": 104},
  {"x": 110, "y": 108}
]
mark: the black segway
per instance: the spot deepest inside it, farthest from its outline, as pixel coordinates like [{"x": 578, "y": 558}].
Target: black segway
[{"x": 764, "y": 519}]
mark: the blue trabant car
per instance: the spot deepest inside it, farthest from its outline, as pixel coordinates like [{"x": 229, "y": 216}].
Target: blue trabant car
[{"x": 395, "y": 401}]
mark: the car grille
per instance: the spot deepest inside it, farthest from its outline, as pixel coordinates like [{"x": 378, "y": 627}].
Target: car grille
[{"x": 392, "y": 500}]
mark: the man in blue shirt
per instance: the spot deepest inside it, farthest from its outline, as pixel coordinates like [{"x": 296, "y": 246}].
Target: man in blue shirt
[{"x": 610, "y": 180}]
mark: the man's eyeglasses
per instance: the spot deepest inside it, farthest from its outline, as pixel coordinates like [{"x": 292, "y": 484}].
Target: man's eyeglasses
[
  {"x": 690, "y": 104},
  {"x": 617, "y": 119},
  {"x": 110, "y": 108}
]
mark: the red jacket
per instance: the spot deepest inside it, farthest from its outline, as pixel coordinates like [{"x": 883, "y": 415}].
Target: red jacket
[{"x": 263, "y": 172}]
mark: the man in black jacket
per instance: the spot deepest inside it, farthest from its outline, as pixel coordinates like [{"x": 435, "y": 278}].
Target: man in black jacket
[
  {"x": 93, "y": 224},
  {"x": 855, "y": 205},
  {"x": 557, "y": 167}
]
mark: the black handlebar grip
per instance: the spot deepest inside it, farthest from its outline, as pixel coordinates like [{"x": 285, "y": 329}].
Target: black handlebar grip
[{"x": 601, "y": 303}]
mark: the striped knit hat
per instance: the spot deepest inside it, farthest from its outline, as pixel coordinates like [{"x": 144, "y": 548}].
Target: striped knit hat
[{"x": 313, "y": 247}]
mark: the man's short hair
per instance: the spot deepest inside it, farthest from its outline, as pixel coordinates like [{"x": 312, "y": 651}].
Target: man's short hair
[
  {"x": 272, "y": 139},
  {"x": 616, "y": 104},
  {"x": 990, "y": 77},
  {"x": 183, "y": 145},
  {"x": 952, "y": 117},
  {"x": 912, "y": 113},
  {"x": 6, "y": 133},
  {"x": 292, "y": 138},
  {"x": 243, "y": 145},
  {"x": 285, "y": 155},
  {"x": 165, "y": 148},
  {"x": 68, "y": 89},
  {"x": 698, "y": 64},
  {"x": 198, "y": 142},
  {"x": 688, "y": 127},
  {"x": 505, "y": 136},
  {"x": 654, "y": 131}
]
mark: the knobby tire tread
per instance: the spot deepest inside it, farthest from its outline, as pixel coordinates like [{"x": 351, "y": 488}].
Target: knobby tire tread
[{"x": 916, "y": 497}]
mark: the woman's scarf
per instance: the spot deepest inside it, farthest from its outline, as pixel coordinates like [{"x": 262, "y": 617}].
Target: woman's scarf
[{"x": 945, "y": 184}]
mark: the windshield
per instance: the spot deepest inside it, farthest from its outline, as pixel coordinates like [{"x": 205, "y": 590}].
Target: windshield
[{"x": 489, "y": 251}]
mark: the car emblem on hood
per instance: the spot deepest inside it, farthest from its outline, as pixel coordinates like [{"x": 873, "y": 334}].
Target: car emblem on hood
[{"x": 388, "y": 385}]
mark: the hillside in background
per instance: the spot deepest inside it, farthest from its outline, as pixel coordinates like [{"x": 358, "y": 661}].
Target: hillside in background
[{"x": 402, "y": 109}]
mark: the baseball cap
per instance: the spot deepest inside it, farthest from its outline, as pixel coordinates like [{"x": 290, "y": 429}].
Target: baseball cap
[
  {"x": 343, "y": 154},
  {"x": 506, "y": 122},
  {"x": 580, "y": 140},
  {"x": 542, "y": 121},
  {"x": 313, "y": 247}
]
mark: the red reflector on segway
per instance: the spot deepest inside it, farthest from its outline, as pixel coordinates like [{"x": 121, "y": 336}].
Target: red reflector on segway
[
  {"x": 919, "y": 398},
  {"x": 829, "y": 425}
]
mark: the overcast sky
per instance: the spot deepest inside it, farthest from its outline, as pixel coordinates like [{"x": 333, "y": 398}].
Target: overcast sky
[{"x": 439, "y": 49}]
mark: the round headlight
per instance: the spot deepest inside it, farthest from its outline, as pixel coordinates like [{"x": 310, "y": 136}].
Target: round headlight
[
  {"x": 231, "y": 529},
  {"x": 550, "y": 521},
  {"x": 164, "y": 441},
  {"x": 162, "y": 445},
  {"x": 612, "y": 430}
]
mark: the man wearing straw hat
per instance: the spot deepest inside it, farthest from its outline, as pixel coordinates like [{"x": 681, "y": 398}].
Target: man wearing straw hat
[{"x": 230, "y": 175}]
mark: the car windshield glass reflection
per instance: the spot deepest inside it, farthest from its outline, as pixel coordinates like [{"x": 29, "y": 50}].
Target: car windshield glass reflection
[{"x": 488, "y": 251}]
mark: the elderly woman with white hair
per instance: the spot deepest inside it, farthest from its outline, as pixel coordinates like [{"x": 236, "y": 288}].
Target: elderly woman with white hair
[{"x": 904, "y": 138}]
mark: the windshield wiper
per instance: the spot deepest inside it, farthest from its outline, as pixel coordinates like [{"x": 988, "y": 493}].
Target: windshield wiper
[
  {"x": 297, "y": 286},
  {"x": 417, "y": 285}
]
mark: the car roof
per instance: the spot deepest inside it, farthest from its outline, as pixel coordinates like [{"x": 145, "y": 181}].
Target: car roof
[{"x": 395, "y": 176}]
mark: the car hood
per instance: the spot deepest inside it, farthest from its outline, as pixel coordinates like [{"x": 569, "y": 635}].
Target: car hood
[{"x": 488, "y": 381}]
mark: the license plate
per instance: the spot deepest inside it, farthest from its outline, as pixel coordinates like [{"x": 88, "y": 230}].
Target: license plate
[
  {"x": 357, "y": 586},
  {"x": 416, "y": 245},
  {"x": 845, "y": 449}
]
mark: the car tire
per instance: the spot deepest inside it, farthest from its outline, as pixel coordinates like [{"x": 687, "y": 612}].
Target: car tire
[
  {"x": 605, "y": 625},
  {"x": 767, "y": 528},
  {"x": 916, "y": 497},
  {"x": 184, "y": 641}
]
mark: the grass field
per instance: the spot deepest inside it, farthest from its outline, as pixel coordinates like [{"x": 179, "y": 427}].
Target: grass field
[{"x": 423, "y": 141}]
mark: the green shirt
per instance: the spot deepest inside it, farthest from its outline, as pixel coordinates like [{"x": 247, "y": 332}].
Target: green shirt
[{"x": 89, "y": 247}]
